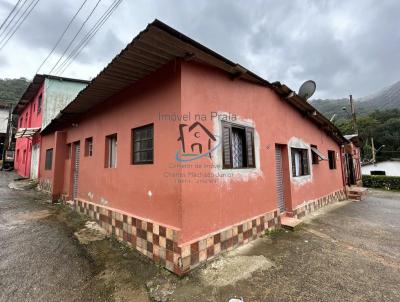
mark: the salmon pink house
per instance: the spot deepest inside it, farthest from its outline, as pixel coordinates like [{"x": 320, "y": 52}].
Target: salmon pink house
[
  {"x": 41, "y": 102},
  {"x": 184, "y": 154}
]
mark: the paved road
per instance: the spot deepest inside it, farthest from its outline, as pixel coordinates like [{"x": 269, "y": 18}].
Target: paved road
[
  {"x": 39, "y": 259},
  {"x": 348, "y": 252}
]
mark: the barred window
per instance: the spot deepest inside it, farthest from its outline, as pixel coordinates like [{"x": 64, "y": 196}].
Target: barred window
[
  {"x": 89, "y": 146},
  {"x": 142, "y": 145},
  {"x": 300, "y": 165},
  {"x": 237, "y": 146}
]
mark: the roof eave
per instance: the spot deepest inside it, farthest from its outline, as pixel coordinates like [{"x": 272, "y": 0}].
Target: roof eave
[
  {"x": 154, "y": 47},
  {"x": 34, "y": 87},
  {"x": 309, "y": 111}
]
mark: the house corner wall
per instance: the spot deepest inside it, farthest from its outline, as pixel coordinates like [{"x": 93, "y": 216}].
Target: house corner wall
[
  {"x": 57, "y": 95},
  {"x": 46, "y": 176},
  {"x": 139, "y": 204},
  {"x": 30, "y": 117}
]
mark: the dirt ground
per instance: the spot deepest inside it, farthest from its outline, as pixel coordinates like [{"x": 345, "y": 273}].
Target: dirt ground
[{"x": 345, "y": 252}]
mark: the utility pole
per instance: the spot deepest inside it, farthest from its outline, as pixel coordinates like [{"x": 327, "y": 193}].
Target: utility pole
[
  {"x": 373, "y": 151},
  {"x": 353, "y": 114}
]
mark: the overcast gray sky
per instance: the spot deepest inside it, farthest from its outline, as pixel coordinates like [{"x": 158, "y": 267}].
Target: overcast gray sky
[{"x": 345, "y": 46}]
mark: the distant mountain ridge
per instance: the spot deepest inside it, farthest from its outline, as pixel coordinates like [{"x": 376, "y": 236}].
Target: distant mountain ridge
[
  {"x": 11, "y": 90},
  {"x": 386, "y": 98}
]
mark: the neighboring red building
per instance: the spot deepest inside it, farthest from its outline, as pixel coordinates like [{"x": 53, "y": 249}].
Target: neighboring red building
[
  {"x": 40, "y": 103},
  {"x": 352, "y": 160},
  {"x": 184, "y": 154}
]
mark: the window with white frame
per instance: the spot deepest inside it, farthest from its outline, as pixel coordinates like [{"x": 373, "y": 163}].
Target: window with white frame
[
  {"x": 111, "y": 151},
  {"x": 300, "y": 164}
]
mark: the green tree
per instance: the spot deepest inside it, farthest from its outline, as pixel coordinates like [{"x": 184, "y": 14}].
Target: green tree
[
  {"x": 381, "y": 125},
  {"x": 12, "y": 89}
]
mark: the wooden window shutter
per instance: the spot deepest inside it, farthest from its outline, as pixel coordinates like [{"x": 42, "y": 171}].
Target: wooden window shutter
[
  {"x": 304, "y": 161},
  {"x": 251, "y": 162},
  {"x": 226, "y": 146},
  {"x": 293, "y": 162}
]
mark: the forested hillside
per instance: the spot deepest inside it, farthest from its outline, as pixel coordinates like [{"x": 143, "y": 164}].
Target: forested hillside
[
  {"x": 383, "y": 126},
  {"x": 378, "y": 116},
  {"x": 12, "y": 89}
]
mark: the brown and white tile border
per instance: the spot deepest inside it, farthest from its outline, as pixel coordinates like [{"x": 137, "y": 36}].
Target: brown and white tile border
[
  {"x": 160, "y": 242},
  {"x": 211, "y": 245},
  {"x": 310, "y": 206}
]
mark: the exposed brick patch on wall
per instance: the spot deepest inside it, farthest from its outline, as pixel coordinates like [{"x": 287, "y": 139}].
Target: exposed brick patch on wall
[
  {"x": 313, "y": 205},
  {"x": 45, "y": 185},
  {"x": 160, "y": 243}
]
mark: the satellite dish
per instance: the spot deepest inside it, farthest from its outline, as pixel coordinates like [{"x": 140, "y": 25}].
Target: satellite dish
[{"x": 307, "y": 89}]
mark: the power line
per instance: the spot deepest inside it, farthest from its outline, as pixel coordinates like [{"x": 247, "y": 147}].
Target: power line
[
  {"x": 9, "y": 15},
  {"x": 61, "y": 37},
  {"x": 12, "y": 19},
  {"x": 93, "y": 31},
  {"x": 7, "y": 31},
  {"x": 85, "y": 38},
  {"x": 73, "y": 39},
  {"x": 30, "y": 7},
  {"x": 24, "y": 15}
]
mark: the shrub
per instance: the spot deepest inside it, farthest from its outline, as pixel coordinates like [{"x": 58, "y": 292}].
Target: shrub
[{"x": 381, "y": 181}]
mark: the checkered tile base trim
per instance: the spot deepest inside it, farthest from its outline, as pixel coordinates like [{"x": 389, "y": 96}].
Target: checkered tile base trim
[
  {"x": 210, "y": 246},
  {"x": 313, "y": 205},
  {"x": 160, "y": 243},
  {"x": 157, "y": 242}
]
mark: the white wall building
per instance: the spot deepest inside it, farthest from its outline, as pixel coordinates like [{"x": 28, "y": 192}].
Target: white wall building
[
  {"x": 390, "y": 167},
  {"x": 3, "y": 119}
]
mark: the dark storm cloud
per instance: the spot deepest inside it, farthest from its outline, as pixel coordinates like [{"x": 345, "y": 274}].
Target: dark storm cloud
[
  {"x": 103, "y": 46},
  {"x": 46, "y": 23},
  {"x": 345, "y": 46},
  {"x": 306, "y": 50}
]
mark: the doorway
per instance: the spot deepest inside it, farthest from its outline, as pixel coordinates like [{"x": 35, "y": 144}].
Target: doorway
[
  {"x": 75, "y": 169},
  {"x": 35, "y": 161},
  {"x": 350, "y": 170},
  {"x": 280, "y": 189}
]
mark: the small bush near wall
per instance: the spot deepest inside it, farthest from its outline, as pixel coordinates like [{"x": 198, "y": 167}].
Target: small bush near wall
[{"x": 381, "y": 181}]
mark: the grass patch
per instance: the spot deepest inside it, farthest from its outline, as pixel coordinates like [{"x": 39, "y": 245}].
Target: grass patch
[
  {"x": 272, "y": 233},
  {"x": 71, "y": 218}
]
